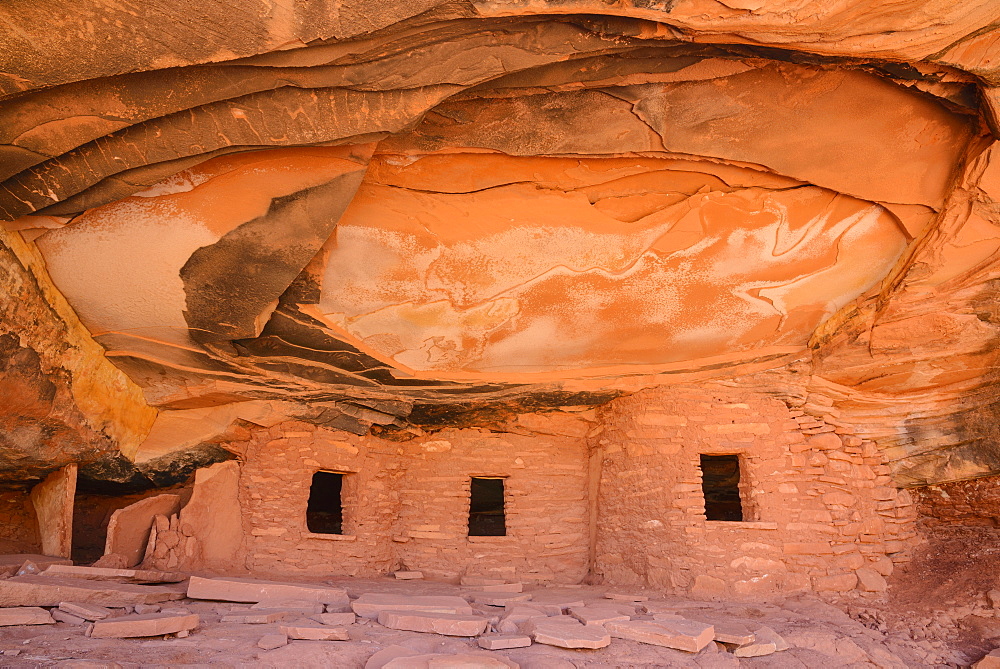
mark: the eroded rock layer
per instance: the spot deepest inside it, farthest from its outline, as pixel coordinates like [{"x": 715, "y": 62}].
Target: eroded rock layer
[{"x": 448, "y": 213}]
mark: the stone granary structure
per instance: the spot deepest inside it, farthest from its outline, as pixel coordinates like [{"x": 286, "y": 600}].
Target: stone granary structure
[{"x": 694, "y": 294}]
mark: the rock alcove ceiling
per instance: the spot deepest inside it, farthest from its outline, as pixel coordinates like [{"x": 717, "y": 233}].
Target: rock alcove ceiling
[{"x": 426, "y": 214}]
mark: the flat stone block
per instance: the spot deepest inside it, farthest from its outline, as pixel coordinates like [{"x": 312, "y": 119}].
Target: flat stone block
[
  {"x": 85, "y": 610},
  {"x": 292, "y": 606},
  {"x": 63, "y": 617},
  {"x": 272, "y": 641},
  {"x": 434, "y": 623},
  {"x": 25, "y": 615},
  {"x": 475, "y": 581},
  {"x": 499, "y": 598},
  {"x": 50, "y": 591},
  {"x": 370, "y": 604},
  {"x": 679, "y": 634},
  {"x": 408, "y": 575},
  {"x": 258, "y": 617},
  {"x": 335, "y": 619},
  {"x": 597, "y": 615},
  {"x": 117, "y": 575},
  {"x": 501, "y": 587},
  {"x": 764, "y": 634},
  {"x": 567, "y": 632},
  {"x": 253, "y": 590},
  {"x": 315, "y": 633},
  {"x": 503, "y": 641},
  {"x": 730, "y": 632},
  {"x": 754, "y": 649},
  {"x": 446, "y": 661},
  {"x": 152, "y": 624}
]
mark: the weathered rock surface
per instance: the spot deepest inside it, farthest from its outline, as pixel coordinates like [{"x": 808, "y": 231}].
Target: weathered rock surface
[
  {"x": 692, "y": 190},
  {"x": 151, "y": 624},
  {"x": 51, "y": 590},
  {"x": 255, "y": 590},
  {"x": 372, "y": 604}
]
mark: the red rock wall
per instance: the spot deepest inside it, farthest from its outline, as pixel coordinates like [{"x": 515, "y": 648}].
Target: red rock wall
[
  {"x": 975, "y": 502},
  {"x": 18, "y": 527},
  {"x": 820, "y": 504}
]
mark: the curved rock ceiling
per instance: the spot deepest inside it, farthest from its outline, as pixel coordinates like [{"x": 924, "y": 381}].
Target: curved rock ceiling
[{"x": 368, "y": 214}]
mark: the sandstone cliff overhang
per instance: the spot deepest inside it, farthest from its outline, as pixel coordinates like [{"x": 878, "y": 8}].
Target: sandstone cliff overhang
[{"x": 442, "y": 213}]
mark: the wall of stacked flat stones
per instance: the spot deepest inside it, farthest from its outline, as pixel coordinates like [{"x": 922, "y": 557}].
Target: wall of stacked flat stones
[
  {"x": 546, "y": 509},
  {"x": 819, "y": 503},
  {"x": 406, "y": 504},
  {"x": 975, "y": 502}
]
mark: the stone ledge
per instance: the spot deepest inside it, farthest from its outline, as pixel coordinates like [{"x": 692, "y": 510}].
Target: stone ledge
[
  {"x": 330, "y": 537},
  {"x": 740, "y": 525},
  {"x": 491, "y": 540}
]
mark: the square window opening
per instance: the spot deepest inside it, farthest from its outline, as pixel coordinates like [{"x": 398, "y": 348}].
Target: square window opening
[
  {"x": 325, "y": 511},
  {"x": 486, "y": 508},
  {"x": 720, "y": 483}
]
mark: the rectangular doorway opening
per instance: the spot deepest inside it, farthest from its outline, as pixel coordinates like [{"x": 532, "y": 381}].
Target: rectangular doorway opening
[
  {"x": 325, "y": 512},
  {"x": 486, "y": 508},
  {"x": 720, "y": 482}
]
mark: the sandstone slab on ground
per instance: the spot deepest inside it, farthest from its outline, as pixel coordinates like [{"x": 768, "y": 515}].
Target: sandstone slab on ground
[
  {"x": 754, "y": 649},
  {"x": 128, "y": 528},
  {"x": 117, "y": 575},
  {"x": 85, "y": 610},
  {"x": 24, "y": 615},
  {"x": 292, "y": 606},
  {"x": 680, "y": 634},
  {"x": 272, "y": 641},
  {"x": 50, "y": 591},
  {"x": 258, "y": 617},
  {"x": 449, "y": 624},
  {"x": 499, "y": 598},
  {"x": 315, "y": 632},
  {"x": 63, "y": 617},
  {"x": 253, "y": 590},
  {"x": 501, "y": 587},
  {"x": 597, "y": 615},
  {"x": 567, "y": 632},
  {"x": 370, "y": 604},
  {"x": 335, "y": 619},
  {"x": 731, "y": 632},
  {"x": 764, "y": 634},
  {"x": 152, "y": 624},
  {"x": 446, "y": 661},
  {"x": 408, "y": 575},
  {"x": 10, "y": 563},
  {"x": 504, "y": 641}
]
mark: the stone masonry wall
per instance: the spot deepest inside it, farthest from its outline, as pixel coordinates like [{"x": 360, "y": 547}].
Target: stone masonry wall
[
  {"x": 407, "y": 503},
  {"x": 821, "y": 509},
  {"x": 975, "y": 502},
  {"x": 546, "y": 507}
]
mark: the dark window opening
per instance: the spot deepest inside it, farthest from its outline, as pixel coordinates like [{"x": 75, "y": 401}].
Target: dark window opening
[
  {"x": 720, "y": 481},
  {"x": 486, "y": 515},
  {"x": 325, "y": 513}
]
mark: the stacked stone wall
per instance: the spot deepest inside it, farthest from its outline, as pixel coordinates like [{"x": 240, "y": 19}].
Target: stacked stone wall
[
  {"x": 819, "y": 505},
  {"x": 975, "y": 502},
  {"x": 406, "y": 504}
]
